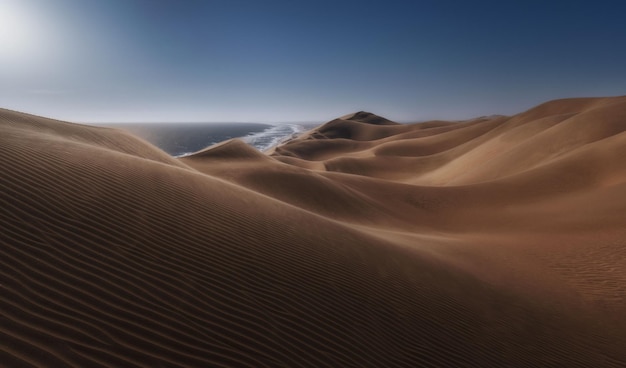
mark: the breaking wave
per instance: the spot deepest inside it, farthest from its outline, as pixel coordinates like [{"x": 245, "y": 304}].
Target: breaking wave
[{"x": 273, "y": 136}]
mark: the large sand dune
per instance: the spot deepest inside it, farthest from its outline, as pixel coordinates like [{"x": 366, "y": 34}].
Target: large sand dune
[{"x": 498, "y": 241}]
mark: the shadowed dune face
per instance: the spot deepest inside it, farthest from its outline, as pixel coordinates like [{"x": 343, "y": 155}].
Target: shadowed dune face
[{"x": 497, "y": 241}]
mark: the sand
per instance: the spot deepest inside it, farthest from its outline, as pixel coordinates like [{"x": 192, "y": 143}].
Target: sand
[{"x": 493, "y": 242}]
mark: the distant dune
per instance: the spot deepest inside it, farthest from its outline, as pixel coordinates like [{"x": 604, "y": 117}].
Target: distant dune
[{"x": 493, "y": 242}]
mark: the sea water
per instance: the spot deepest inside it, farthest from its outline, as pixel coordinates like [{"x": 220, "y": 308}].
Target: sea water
[{"x": 180, "y": 139}]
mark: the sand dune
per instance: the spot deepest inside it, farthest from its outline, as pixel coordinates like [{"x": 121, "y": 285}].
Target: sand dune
[{"x": 493, "y": 242}]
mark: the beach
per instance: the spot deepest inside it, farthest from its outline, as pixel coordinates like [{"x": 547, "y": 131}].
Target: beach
[{"x": 498, "y": 241}]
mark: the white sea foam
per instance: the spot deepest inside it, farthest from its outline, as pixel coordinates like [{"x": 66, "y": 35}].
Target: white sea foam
[
  {"x": 183, "y": 154},
  {"x": 273, "y": 136}
]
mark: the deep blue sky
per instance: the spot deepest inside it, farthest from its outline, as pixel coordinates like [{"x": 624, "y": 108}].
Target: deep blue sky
[{"x": 283, "y": 61}]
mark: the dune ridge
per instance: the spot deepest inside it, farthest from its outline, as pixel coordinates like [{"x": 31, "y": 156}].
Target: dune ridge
[{"x": 497, "y": 241}]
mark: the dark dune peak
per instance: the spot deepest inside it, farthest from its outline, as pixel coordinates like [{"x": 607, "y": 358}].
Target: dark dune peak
[
  {"x": 369, "y": 118},
  {"x": 492, "y": 242},
  {"x": 358, "y": 127}
]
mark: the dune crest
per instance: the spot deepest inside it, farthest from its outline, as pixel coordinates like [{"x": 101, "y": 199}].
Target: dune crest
[{"x": 497, "y": 241}]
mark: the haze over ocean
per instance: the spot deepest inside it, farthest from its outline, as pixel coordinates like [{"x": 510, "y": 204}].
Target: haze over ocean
[
  {"x": 278, "y": 60},
  {"x": 180, "y": 139}
]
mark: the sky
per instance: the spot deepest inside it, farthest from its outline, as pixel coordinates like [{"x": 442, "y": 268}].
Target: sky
[{"x": 304, "y": 61}]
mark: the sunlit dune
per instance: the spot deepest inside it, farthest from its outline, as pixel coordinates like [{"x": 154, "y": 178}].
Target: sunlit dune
[{"x": 493, "y": 242}]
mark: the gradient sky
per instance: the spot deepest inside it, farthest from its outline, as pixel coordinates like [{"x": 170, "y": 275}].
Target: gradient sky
[{"x": 286, "y": 61}]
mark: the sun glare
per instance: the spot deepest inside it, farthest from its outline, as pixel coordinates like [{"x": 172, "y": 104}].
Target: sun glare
[
  {"x": 15, "y": 30},
  {"x": 23, "y": 35}
]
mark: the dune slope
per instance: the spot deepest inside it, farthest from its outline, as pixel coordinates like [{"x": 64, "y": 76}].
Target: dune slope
[{"x": 495, "y": 242}]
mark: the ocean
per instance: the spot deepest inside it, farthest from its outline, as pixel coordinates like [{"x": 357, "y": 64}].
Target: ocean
[{"x": 180, "y": 139}]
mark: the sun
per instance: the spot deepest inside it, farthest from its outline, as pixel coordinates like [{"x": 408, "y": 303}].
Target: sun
[
  {"x": 13, "y": 26},
  {"x": 18, "y": 31}
]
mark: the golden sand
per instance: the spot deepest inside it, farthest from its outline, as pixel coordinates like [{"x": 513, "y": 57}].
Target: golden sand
[{"x": 493, "y": 242}]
